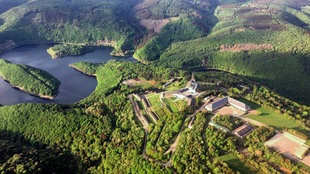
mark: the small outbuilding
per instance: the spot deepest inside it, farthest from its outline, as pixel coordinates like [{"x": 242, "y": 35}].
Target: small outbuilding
[{"x": 243, "y": 130}]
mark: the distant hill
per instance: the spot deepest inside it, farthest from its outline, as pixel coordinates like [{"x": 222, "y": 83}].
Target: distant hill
[
  {"x": 6, "y": 5},
  {"x": 267, "y": 41},
  {"x": 94, "y": 22},
  {"x": 256, "y": 51}
]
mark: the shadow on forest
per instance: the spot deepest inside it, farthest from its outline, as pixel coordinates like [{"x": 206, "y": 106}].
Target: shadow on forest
[
  {"x": 263, "y": 114},
  {"x": 294, "y": 20},
  {"x": 19, "y": 153},
  {"x": 236, "y": 165}
]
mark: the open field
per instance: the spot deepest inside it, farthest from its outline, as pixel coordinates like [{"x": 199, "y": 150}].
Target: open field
[
  {"x": 134, "y": 82},
  {"x": 272, "y": 118},
  {"x": 171, "y": 104},
  {"x": 229, "y": 110},
  {"x": 176, "y": 85},
  {"x": 288, "y": 145},
  {"x": 236, "y": 164},
  {"x": 308, "y": 142}
]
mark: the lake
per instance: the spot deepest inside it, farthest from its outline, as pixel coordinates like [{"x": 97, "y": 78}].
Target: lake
[{"x": 74, "y": 85}]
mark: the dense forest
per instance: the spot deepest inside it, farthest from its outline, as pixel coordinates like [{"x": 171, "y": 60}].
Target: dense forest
[
  {"x": 101, "y": 133},
  {"x": 29, "y": 79},
  {"x": 62, "y": 50}
]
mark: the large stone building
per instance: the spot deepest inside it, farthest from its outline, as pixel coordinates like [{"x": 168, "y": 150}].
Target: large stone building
[{"x": 227, "y": 100}]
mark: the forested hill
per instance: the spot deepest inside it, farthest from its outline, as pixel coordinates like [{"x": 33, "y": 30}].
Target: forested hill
[
  {"x": 93, "y": 22},
  {"x": 169, "y": 21},
  {"x": 150, "y": 117},
  {"x": 266, "y": 41}
]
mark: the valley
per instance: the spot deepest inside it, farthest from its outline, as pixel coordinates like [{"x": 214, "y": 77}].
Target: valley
[{"x": 163, "y": 86}]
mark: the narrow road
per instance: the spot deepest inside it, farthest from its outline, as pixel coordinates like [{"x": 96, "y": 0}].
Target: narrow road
[{"x": 174, "y": 145}]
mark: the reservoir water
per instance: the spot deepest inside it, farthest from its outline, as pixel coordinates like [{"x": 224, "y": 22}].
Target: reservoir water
[{"x": 74, "y": 85}]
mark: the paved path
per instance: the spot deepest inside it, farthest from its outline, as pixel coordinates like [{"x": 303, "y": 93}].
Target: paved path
[
  {"x": 253, "y": 122},
  {"x": 174, "y": 145}
]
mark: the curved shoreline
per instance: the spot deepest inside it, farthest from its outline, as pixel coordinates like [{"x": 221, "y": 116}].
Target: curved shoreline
[
  {"x": 49, "y": 97},
  {"x": 97, "y": 44},
  {"x": 65, "y": 55},
  {"x": 65, "y": 95},
  {"x": 76, "y": 68}
]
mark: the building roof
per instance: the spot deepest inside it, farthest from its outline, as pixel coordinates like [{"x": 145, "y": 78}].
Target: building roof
[
  {"x": 219, "y": 103},
  {"x": 243, "y": 130},
  {"x": 219, "y": 127},
  {"x": 238, "y": 104}
]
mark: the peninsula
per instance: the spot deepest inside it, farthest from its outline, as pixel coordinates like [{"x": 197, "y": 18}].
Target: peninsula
[
  {"x": 62, "y": 50},
  {"x": 29, "y": 79}
]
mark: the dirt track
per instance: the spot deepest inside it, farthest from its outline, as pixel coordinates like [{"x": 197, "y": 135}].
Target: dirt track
[{"x": 245, "y": 47}]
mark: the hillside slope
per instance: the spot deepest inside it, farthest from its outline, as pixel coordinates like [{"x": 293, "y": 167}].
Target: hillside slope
[
  {"x": 91, "y": 22},
  {"x": 169, "y": 21},
  {"x": 267, "y": 42}
]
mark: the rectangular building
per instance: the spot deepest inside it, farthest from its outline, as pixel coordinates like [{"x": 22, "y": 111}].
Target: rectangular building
[
  {"x": 243, "y": 130},
  {"x": 227, "y": 100},
  {"x": 217, "y": 104},
  {"x": 238, "y": 104}
]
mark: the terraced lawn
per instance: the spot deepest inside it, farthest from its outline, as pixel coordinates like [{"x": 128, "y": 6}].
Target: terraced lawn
[
  {"x": 171, "y": 104},
  {"x": 155, "y": 101},
  {"x": 237, "y": 165}
]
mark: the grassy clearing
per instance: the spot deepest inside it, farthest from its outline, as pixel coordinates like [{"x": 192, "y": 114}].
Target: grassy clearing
[
  {"x": 155, "y": 102},
  {"x": 146, "y": 85},
  {"x": 176, "y": 85},
  {"x": 171, "y": 104},
  {"x": 175, "y": 106},
  {"x": 272, "y": 118},
  {"x": 236, "y": 164},
  {"x": 149, "y": 119},
  {"x": 182, "y": 104}
]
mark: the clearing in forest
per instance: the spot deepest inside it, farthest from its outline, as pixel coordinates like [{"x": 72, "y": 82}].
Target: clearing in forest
[{"x": 230, "y": 110}]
